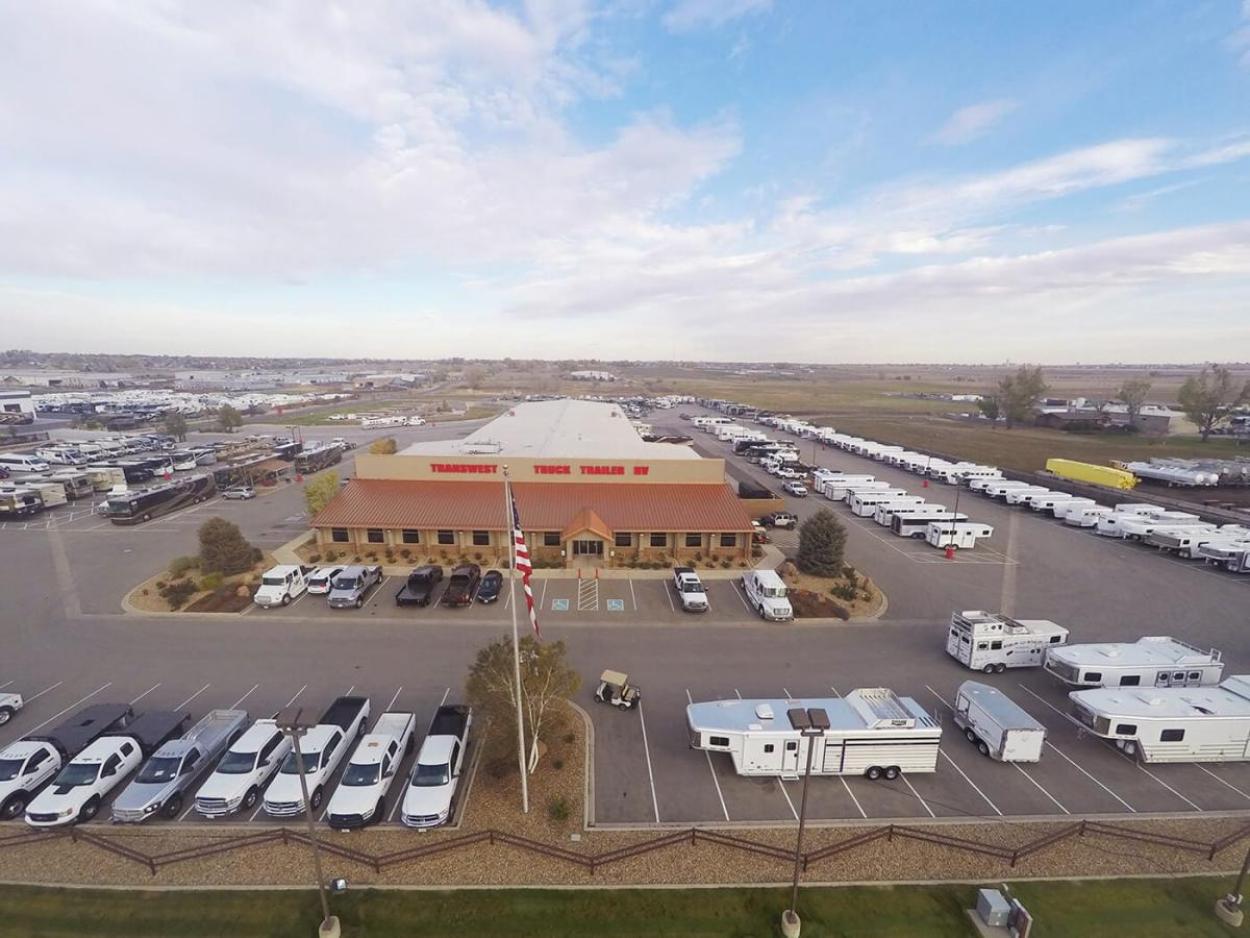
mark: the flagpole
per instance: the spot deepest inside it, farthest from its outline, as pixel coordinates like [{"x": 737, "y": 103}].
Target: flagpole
[{"x": 516, "y": 642}]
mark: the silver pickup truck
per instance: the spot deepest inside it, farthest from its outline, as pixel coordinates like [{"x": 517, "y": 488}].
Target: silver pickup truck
[{"x": 163, "y": 781}]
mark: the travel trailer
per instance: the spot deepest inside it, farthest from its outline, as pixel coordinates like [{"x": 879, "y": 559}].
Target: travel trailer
[
  {"x": 1153, "y": 661},
  {"x": 991, "y": 641}
]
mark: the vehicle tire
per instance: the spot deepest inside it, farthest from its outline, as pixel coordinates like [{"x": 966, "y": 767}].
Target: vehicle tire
[
  {"x": 988, "y": 669},
  {"x": 409, "y": 746},
  {"x": 872, "y": 773},
  {"x": 379, "y": 812},
  {"x": 147, "y": 517},
  {"x": 15, "y": 807},
  {"x": 984, "y": 748},
  {"x": 250, "y": 799},
  {"x": 360, "y": 602},
  {"x": 286, "y": 599},
  {"x": 6, "y": 714},
  {"x": 173, "y": 807},
  {"x": 89, "y": 810},
  {"x": 972, "y": 737},
  {"x": 1000, "y": 668},
  {"x": 315, "y": 799},
  {"x": 892, "y": 772}
]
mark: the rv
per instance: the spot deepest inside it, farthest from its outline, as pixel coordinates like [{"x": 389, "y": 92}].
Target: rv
[
  {"x": 76, "y": 484},
  {"x": 956, "y": 533},
  {"x": 19, "y": 501},
  {"x": 1195, "y": 724},
  {"x": 52, "y": 493},
  {"x": 991, "y": 641},
  {"x": 917, "y": 525},
  {"x": 1153, "y": 661},
  {"x": 136, "y": 506},
  {"x": 872, "y": 732},
  {"x": 998, "y": 726},
  {"x": 106, "y": 478},
  {"x": 865, "y": 504}
]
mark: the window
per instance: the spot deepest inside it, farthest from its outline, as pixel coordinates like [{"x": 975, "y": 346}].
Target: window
[
  {"x": 996, "y": 646},
  {"x": 981, "y": 646},
  {"x": 1130, "y": 680},
  {"x": 1171, "y": 736},
  {"x": 36, "y": 760},
  {"x": 1092, "y": 677},
  {"x": 409, "y": 536},
  {"x": 1126, "y": 729},
  {"x": 624, "y": 539},
  {"x": 659, "y": 540},
  {"x": 127, "y": 749},
  {"x": 729, "y": 540},
  {"x": 551, "y": 539},
  {"x": 718, "y": 741},
  {"x": 189, "y": 762},
  {"x": 792, "y": 745},
  {"x": 481, "y": 538},
  {"x": 1195, "y": 675},
  {"x": 339, "y": 535},
  {"x": 375, "y": 536},
  {"x": 447, "y": 537},
  {"x": 768, "y": 747},
  {"x": 694, "y": 540},
  {"x": 1055, "y": 639}
]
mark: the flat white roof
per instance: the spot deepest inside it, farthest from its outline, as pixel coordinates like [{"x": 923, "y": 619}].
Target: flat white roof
[
  {"x": 1229, "y": 698},
  {"x": 556, "y": 429},
  {"x": 1152, "y": 650}
]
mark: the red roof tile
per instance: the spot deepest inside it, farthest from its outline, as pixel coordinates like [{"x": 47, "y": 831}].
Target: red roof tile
[{"x": 543, "y": 506}]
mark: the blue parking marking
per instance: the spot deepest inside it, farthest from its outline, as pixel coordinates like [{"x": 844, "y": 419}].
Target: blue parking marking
[
  {"x": 616, "y": 605},
  {"x": 559, "y": 605}
]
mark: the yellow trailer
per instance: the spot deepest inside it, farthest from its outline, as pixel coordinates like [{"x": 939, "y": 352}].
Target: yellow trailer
[{"x": 1088, "y": 472}]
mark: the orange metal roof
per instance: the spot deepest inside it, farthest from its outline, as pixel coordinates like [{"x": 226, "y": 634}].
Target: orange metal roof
[
  {"x": 543, "y": 506},
  {"x": 586, "y": 520}
]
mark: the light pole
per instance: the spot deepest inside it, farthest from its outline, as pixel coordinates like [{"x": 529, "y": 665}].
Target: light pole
[
  {"x": 1228, "y": 908},
  {"x": 812, "y": 725},
  {"x": 289, "y": 722}
]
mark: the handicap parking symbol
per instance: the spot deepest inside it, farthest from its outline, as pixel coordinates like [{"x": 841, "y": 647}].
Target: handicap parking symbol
[
  {"x": 616, "y": 605},
  {"x": 559, "y": 605}
]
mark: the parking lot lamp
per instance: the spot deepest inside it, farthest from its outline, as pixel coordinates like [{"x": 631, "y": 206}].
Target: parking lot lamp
[
  {"x": 289, "y": 722},
  {"x": 1228, "y": 908},
  {"x": 812, "y": 724}
]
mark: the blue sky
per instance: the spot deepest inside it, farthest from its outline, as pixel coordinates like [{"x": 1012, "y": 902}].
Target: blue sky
[{"x": 725, "y": 179}]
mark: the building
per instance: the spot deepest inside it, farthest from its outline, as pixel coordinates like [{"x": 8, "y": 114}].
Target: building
[
  {"x": 589, "y": 491},
  {"x": 16, "y": 407},
  {"x": 592, "y": 376}
]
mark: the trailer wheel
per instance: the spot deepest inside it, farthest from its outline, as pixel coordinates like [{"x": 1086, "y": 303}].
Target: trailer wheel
[
  {"x": 6, "y": 714},
  {"x": 984, "y": 748},
  {"x": 988, "y": 669},
  {"x": 893, "y": 772},
  {"x": 872, "y": 773},
  {"x": 1000, "y": 668},
  {"x": 173, "y": 807},
  {"x": 972, "y": 737},
  {"x": 15, "y": 806}
]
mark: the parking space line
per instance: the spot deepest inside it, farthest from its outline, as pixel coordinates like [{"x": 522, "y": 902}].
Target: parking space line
[
  {"x": 259, "y": 807},
  {"x": 393, "y": 699},
  {"x": 633, "y": 597},
  {"x": 786, "y": 795},
  {"x": 188, "y": 811},
  {"x": 787, "y": 693},
  {"x": 711, "y": 768},
  {"x": 145, "y": 693},
  {"x": 1223, "y": 782},
  {"x": 295, "y": 696},
  {"x": 42, "y": 692},
  {"x": 5, "y": 684},
  {"x": 235, "y": 705},
  {"x": 842, "y": 778},
  {"x": 733, "y": 584},
  {"x": 349, "y": 690},
  {"x": 646, "y": 749},
  {"x": 956, "y": 767},
  {"x": 193, "y": 696},
  {"x": 543, "y": 598},
  {"x": 80, "y": 700},
  {"x": 669, "y": 594},
  {"x": 923, "y": 803}
]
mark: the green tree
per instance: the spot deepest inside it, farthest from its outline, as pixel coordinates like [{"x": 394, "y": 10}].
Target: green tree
[
  {"x": 822, "y": 544},
  {"x": 176, "y": 426},
  {"x": 384, "y": 447},
  {"x": 989, "y": 406},
  {"x": 228, "y": 419},
  {"x": 474, "y": 376},
  {"x": 1208, "y": 397},
  {"x": 546, "y": 680},
  {"x": 1133, "y": 394},
  {"x": 1019, "y": 393},
  {"x": 223, "y": 548},
  {"x": 319, "y": 491}
]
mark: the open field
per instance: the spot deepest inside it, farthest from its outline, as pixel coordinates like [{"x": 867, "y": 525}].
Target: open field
[{"x": 1146, "y": 908}]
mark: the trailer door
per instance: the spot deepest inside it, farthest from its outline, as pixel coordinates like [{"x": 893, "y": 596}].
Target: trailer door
[
  {"x": 790, "y": 757},
  {"x": 834, "y": 754}
]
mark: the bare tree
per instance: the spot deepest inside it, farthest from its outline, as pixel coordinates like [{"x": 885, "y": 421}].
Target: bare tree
[{"x": 1209, "y": 397}]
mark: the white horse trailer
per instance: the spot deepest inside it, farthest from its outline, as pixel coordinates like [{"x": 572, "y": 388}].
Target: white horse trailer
[
  {"x": 865, "y": 504},
  {"x": 1185, "y": 542},
  {"x": 917, "y": 525},
  {"x": 1049, "y": 502},
  {"x": 991, "y": 641},
  {"x": 1086, "y": 516},
  {"x": 1235, "y": 558},
  {"x": 1153, "y": 661},
  {"x": 998, "y": 726},
  {"x": 997, "y": 488},
  {"x": 1063, "y": 508},
  {"x": 872, "y": 732},
  {"x": 961, "y": 534},
  {"x": 1207, "y": 724},
  {"x": 908, "y": 506}
]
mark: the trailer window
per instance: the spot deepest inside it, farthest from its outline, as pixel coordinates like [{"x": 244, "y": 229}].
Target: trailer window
[
  {"x": 981, "y": 646},
  {"x": 1171, "y": 736},
  {"x": 1055, "y": 639},
  {"x": 1130, "y": 680},
  {"x": 1126, "y": 729},
  {"x": 722, "y": 741},
  {"x": 1178, "y": 676},
  {"x": 1092, "y": 677},
  {"x": 1195, "y": 675},
  {"x": 769, "y": 747},
  {"x": 996, "y": 646}
]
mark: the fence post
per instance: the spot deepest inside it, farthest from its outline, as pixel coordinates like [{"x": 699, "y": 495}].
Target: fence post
[
  {"x": 1081, "y": 832},
  {"x": 694, "y": 836},
  {"x": 889, "y": 834}
]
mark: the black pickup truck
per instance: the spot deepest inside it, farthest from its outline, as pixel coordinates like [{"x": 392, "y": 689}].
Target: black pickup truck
[
  {"x": 418, "y": 590},
  {"x": 462, "y": 585}
]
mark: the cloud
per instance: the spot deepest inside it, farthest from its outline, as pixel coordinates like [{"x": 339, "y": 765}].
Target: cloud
[
  {"x": 973, "y": 121},
  {"x": 689, "y": 15}
]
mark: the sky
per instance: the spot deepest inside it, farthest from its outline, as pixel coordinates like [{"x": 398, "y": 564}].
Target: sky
[{"x": 739, "y": 180}]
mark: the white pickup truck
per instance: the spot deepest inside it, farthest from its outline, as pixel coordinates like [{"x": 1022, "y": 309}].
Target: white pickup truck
[
  {"x": 281, "y": 585},
  {"x": 9, "y": 705},
  {"x": 436, "y": 774},
  {"x": 690, "y": 591},
  {"x": 322, "y": 748},
  {"x": 236, "y": 783},
  {"x": 360, "y": 798}
]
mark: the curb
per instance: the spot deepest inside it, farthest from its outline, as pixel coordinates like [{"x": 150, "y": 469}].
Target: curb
[{"x": 588, "y": 769}]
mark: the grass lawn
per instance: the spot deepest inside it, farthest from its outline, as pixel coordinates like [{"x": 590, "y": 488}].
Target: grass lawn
[{"x": 1142, "y": 908}]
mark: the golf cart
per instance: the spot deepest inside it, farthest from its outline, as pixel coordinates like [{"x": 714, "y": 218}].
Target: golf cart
[{"x": 615, "y": 689}]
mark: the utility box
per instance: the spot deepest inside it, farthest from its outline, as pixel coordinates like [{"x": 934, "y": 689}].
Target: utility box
[{"x": 993, "y": 908}]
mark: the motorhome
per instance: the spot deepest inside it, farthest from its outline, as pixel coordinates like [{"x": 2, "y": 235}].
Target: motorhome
[
  {"x": 885, "y": 512},
  {"x": 991, "y": 641},
  {"x": 865, "y": 504},
  {"x": 19, "y": 501},
  {"x": 1172, "y": 724},
  {"x": 999, "y": 727},
  {"x": 106, "y": 478},
  {"x": 137, "y": 506},
  {"x": 917, "y": 525},
  {"x": 1086, "y": 516},
  {"x": 76, "y": 484},
  {"x": 52, "y": 493},
  {"x": 960, "y": 534},
  {"x": 871, "y": 732},
  {"x": 1153, "y": 661}
]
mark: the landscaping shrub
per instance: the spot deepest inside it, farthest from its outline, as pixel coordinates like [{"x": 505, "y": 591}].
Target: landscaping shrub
[
  {"x": 314, "y": 558},
  {"x": 558, "y": 809},
  {"x": 179, "y": 566},
  {"x": 331, "y": 556},
  {"x": 557, "y": 764},
  {"x": 212, "y": 581},
  {"x": 178, "y": 592}
]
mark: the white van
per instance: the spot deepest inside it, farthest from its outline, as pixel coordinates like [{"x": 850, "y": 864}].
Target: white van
[
  {"x": 766, "y": 594},
  {"x": 21, "y": 462}
]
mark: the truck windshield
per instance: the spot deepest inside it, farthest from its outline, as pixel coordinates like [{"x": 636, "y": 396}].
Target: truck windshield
[
  {"x": 272, "y": 581},
  {"x": 161, "y": 769},
  {"x": 691, "y": 586},
  {"x": 290, "y": 765},
  {"x": 358, "y": 775},
  {"x": 78, "y": 774},
  {"x": 236, "y": 763},
  {"x": 112, "y": 507},
  {"x": 346, "y": 583},
  {"x": 429, "y": 776},
  {"x": 777, "y": 592},
  {"x": 9, "y": 769}
]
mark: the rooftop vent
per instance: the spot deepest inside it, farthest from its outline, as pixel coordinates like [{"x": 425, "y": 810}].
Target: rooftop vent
[{"x": 764, "y": 711}]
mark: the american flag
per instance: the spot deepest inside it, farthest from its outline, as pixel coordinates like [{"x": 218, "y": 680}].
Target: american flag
[{"x": 523, "y": 564}]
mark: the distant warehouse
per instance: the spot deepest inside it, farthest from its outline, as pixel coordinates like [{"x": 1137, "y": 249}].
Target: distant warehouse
[{"x": 589, "y": 491}]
